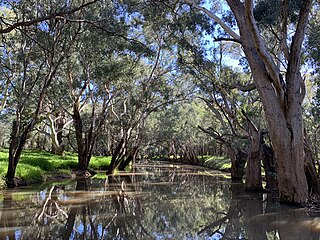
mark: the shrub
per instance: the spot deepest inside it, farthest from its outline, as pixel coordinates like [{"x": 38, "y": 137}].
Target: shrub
[
  {"x": 100, "y": 163},
  {"x": 29, "y": 173},
  {"x": 215, "y": 162}
]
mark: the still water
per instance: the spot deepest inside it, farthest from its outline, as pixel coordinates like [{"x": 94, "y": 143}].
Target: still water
[{"x": 155, "y": 201}]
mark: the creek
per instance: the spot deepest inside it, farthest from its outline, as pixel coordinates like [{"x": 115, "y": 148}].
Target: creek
[{"x": 157, "y": 200}]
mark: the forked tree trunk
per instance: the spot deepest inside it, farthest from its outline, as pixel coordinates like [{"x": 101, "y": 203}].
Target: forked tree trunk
[
  {"x": 56, "y": 128},
  {"x": 18, "y": 140},
  {"x": 281, "y": 100},
  {"x": 117, "y": 156},
  {"x": 85, "y": 143},
  {"x": 83, "y": 154},
  {"x": 79, "y": 132}
]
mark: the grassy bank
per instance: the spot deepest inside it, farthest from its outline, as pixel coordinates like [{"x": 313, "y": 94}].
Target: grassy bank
[
  {"x": 38, "y": 166},
  {"x": 212, "y": 162},
  {"x": 216, "y": 162}
]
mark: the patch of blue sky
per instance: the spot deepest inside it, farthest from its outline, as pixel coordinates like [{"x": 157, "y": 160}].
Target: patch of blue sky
[
  {"x": 18, "y": 234},
  {"x": 230, "y": 56}
]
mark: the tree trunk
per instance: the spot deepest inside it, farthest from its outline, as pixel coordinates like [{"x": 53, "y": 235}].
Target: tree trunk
[
  {"x": 117, "y": 156},
  {"x": 310, "y": 169},
  {"x": 316, "y": 148},
  {"x": 284, "y": 122},
  {"x": 11, "y": 173},
  {"x": 238, "y": 161},
  {"x": 253, "y": 170},
  {"x": 59, "y": 149},
  {"x": 131, "y": 157},
  {"x": 17, "y": 143},
  {"x": 281, "y": 99},
  {"x": 82, "y": 161},
  {"x": 82, "y": 149},
  {"x": 267, "y": 156}
]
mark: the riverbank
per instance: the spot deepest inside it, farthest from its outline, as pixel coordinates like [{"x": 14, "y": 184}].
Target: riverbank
[
  {"x": 39, "y": 166},
  {"x": 212, "y": 162}
]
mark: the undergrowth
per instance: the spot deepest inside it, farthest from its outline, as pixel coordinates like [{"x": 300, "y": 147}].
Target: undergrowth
[{"x": 37, "y": 166}]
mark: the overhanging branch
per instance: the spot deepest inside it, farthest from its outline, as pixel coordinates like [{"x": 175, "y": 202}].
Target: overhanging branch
[
  {"x": 215, "y": 18},
  {"x": 44, "y": 18}
]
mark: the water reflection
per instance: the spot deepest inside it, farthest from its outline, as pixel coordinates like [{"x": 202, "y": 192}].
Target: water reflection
[{"x": 156, "y": 201}]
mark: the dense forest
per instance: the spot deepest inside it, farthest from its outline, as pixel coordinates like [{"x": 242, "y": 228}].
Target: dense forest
[{"x": 166, "y": 79}]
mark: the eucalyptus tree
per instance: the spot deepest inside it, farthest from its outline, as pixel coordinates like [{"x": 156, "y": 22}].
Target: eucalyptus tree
[
  {"x": 104, "y": 65},
  {"x": 20, "y": 20},
  {"x": 33, "y": 56},
  {"x": 14, "y": 18},
  {"x": 226, "y": 101},
  {"x": 153, "y": 83},
  {"x": 173, "y": 133},
  {"x": 149, "y": 88},
  {"x": 58, "y": 123},
  {"x": 281, "y": 90},
  {"x": 55, "y": 122},
  {"x": 313, "y": 50},
  {"x": 225, "y": 92}
]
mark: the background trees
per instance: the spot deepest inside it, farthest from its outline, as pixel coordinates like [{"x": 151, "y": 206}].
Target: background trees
[{"x": 41, "y": 50}]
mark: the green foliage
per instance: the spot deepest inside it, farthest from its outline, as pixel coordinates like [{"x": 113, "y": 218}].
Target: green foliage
[
  {"x": 267, "y": 12},
  {"x": 178, "y": 124},
  {"x": 30, "y": 173},
  {"x": 36, "y": 166},
  {"x": 41, "y": 163},
  {"x": 314, "y": 41},
  {"x": 3, "y": 170},
  {"x": 217, "y": 162},
  {"x": 100, "y": 163},
  {"x": 47, "y": 161}
]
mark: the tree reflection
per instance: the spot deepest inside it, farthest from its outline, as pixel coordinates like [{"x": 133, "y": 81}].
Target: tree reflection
[
  {"x": 127, "y": 222},
  {"x": 253, "y": 217},
  {"x": 155, "y": 202},
  {"x": 82, "y": 185},
  {"x": 7, "y": 220}
]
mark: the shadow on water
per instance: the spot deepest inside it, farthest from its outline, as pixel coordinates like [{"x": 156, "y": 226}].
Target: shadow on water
[{"x": 156, "y": 201}]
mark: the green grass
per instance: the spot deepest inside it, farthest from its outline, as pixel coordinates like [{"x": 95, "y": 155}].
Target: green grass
[
  {"x": 30, "y": 173},
  {"x": 215, "y": 162},
  {"x": 37, "y": 166},
  {"x": 100, "y": 163}
]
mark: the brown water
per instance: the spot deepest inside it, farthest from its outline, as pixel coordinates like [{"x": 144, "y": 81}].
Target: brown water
[{"x": 157, "y": 201}]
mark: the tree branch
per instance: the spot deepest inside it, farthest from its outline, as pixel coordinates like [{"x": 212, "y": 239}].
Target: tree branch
[
  {"x": 241, "y": 87},
  {"x": 284, "y": 29},
  {"x": 41, "y": 19},
  {"x": 273, "y": 71},
  {"x": 227, "y": 39},
  {"x": 295, "y": 51},
  {"x": 215, "y": 18}
]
